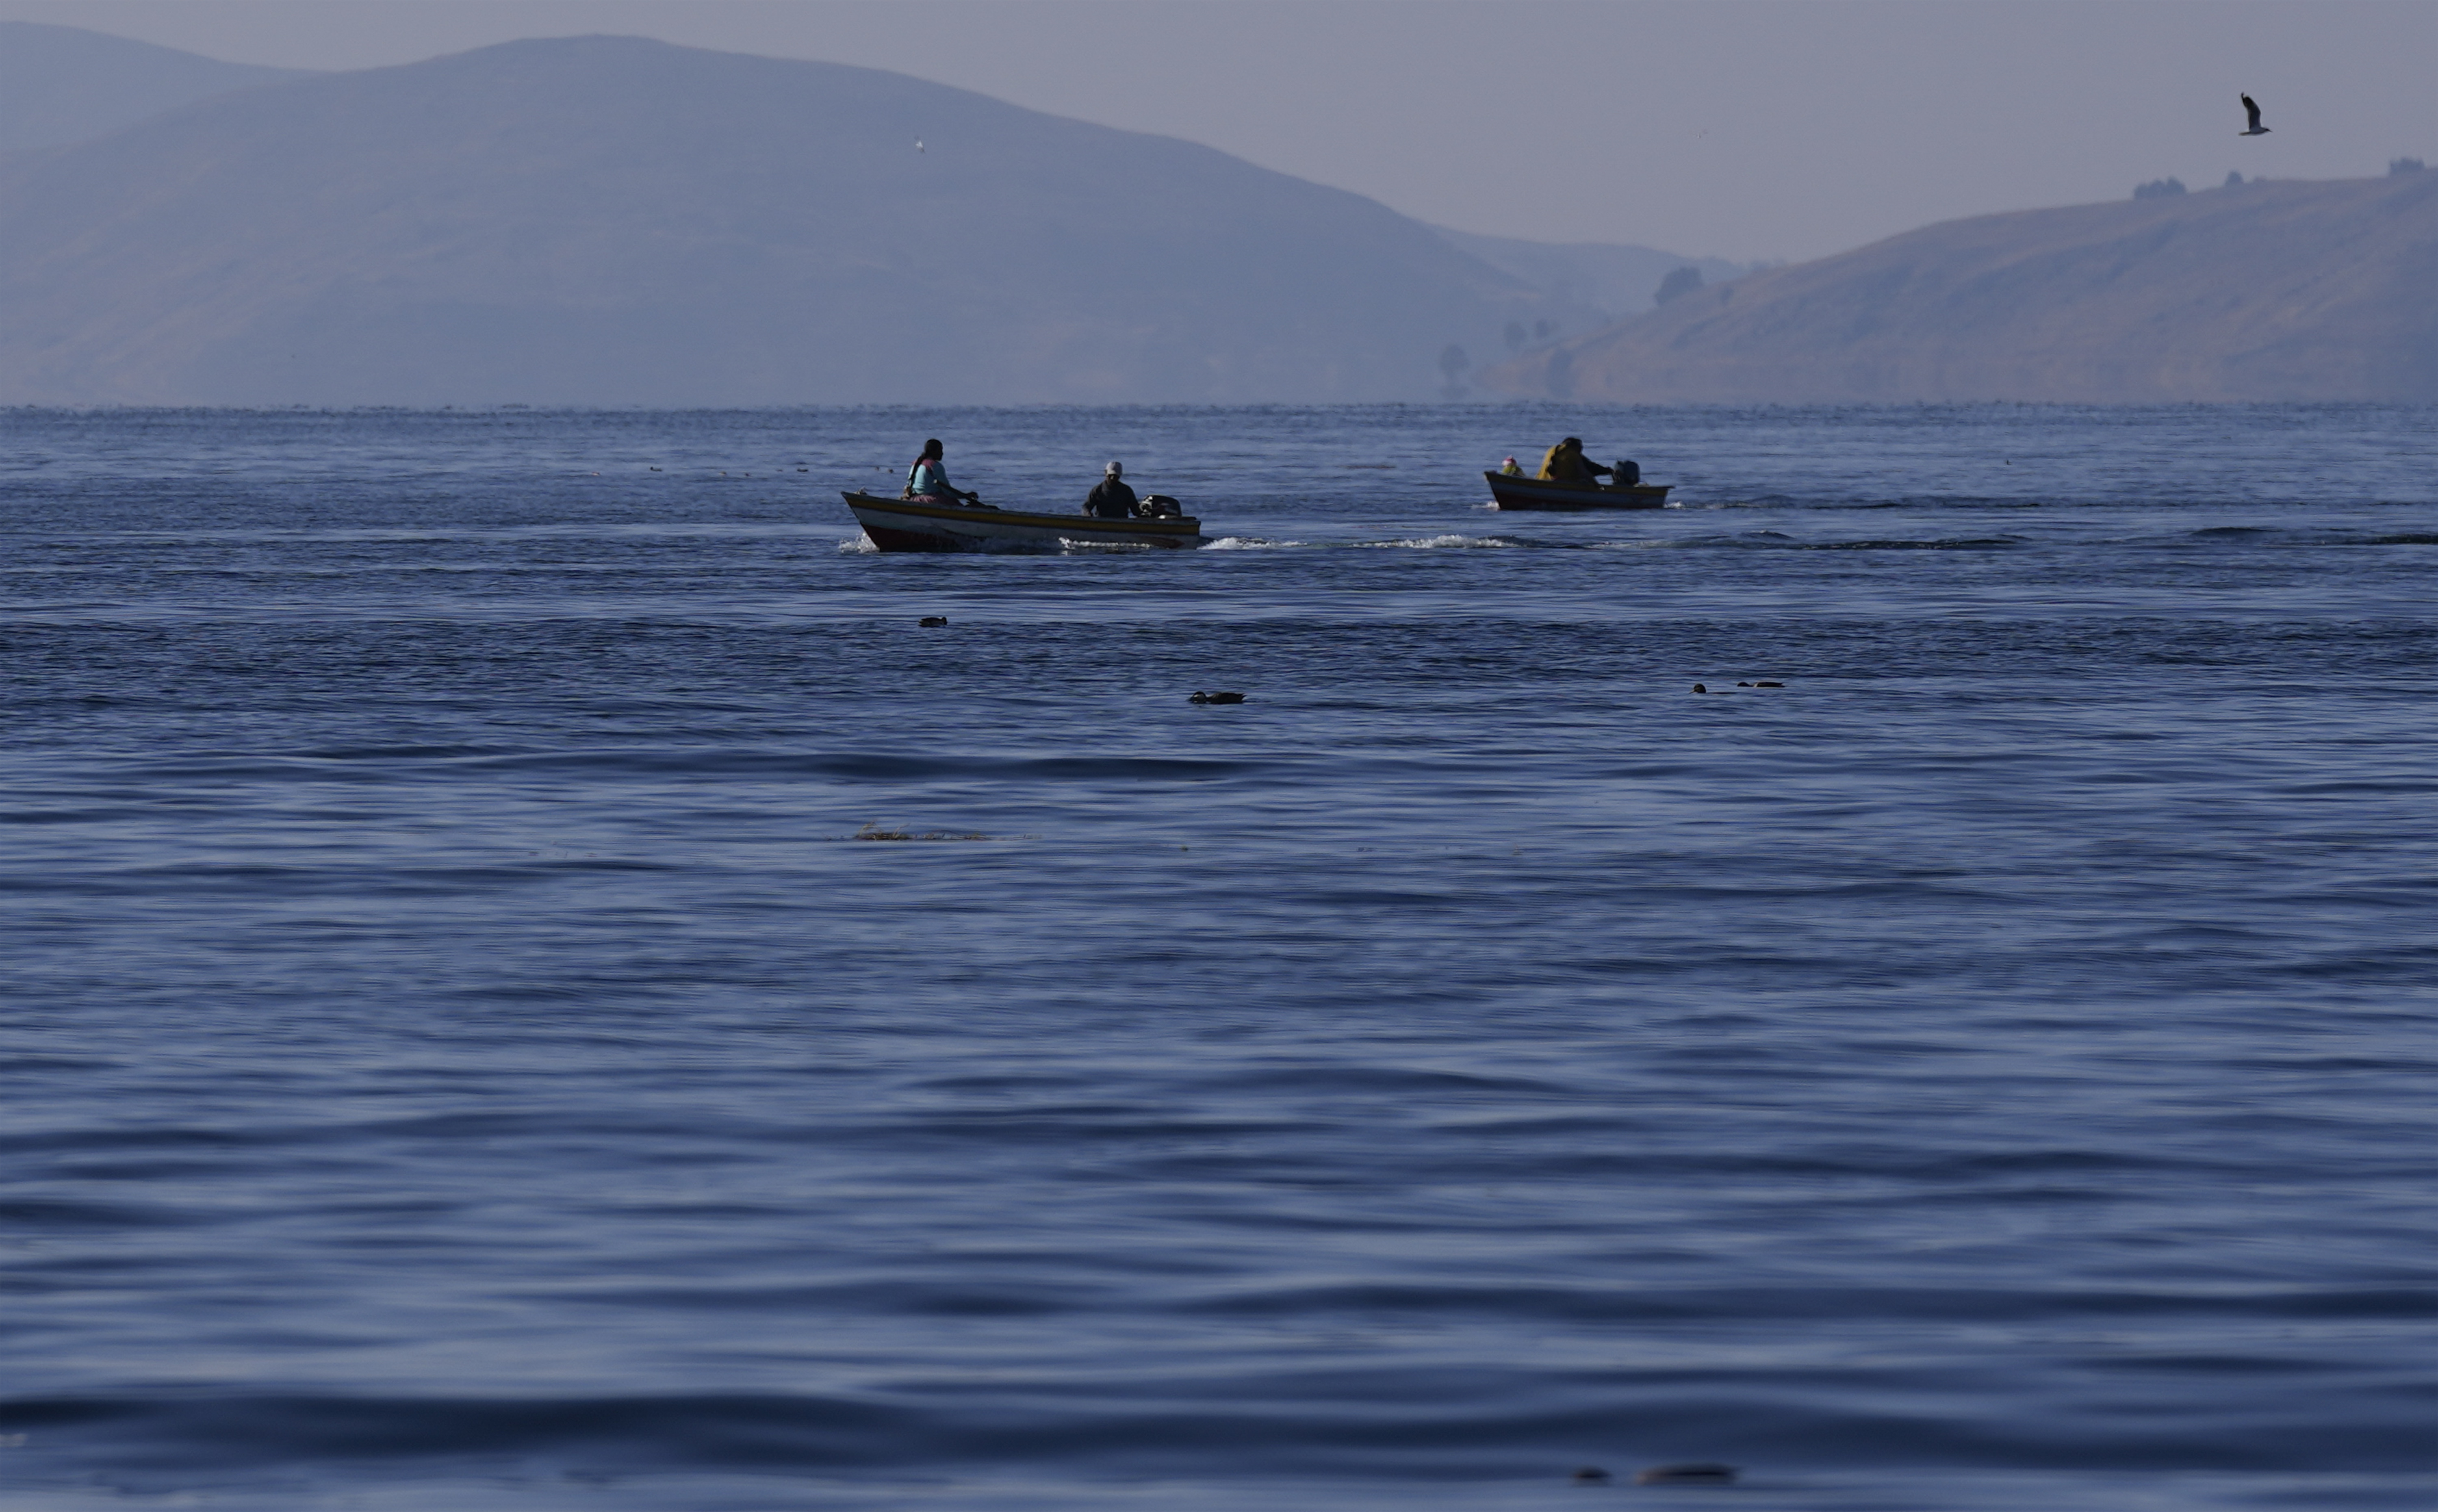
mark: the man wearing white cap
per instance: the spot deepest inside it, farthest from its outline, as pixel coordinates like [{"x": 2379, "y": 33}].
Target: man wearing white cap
[{"x": 1112, "y": 499}]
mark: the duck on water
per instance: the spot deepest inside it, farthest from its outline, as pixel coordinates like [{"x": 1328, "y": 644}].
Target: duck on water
[{"x": 933, "y": 515}]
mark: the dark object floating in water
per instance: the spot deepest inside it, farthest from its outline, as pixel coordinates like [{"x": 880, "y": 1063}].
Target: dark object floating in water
[
  {"x": 1201, "y": 697},
  {"x": 1699, "y": 688},
  {"x": 1591, "y": 1475},
  {"x": 1769, "y": 685},
  {"x": 930, "y": 619},
  {"x": 1688, "y": 1475}
]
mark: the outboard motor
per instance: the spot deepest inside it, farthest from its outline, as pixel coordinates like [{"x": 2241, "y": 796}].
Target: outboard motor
[
  {"x": 1158, "y": 506},
  {"x": 1626, "y": 474}
]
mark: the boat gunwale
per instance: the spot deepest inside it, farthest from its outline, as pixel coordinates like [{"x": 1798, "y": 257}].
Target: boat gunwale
[
  {"x": 1162, "y": 525},
  {"x": 1549, "y": 493}
]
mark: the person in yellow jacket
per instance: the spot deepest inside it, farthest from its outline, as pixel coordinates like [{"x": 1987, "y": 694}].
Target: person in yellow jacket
[{"x": 1565, "y": 463}]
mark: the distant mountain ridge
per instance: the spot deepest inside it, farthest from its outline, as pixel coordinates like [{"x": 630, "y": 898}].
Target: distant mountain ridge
[
  {"x": 2267, "y": 291},
  {"x": 62, "y": 84},
  {"x": 612, "y": 221}
]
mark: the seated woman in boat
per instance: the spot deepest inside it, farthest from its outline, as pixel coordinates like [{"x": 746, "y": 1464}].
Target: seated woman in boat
[
  {"x": 1565, "y": 463},
  {"x": 927, "y": 482},
  {"x": 1110, "y": 499}
]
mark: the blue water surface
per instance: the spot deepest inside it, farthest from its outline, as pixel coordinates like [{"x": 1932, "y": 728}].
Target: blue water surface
[{"x": 465, "y": 1041}]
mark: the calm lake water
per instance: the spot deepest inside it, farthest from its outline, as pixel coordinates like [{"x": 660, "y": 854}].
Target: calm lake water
[{"x": 455, "y": 1051}]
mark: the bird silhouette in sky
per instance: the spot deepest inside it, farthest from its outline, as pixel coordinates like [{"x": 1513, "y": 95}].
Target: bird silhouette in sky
[
  {"x": 2252, "y": 109},
  {"x": 918, "y": 141}
]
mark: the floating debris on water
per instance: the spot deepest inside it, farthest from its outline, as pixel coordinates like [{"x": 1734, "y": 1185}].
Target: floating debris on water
[
  {"x": 1688, "y": 1475},
  {"x": 1591, "y": 1475},
  {"x": 929, "y": 620},
  {"x": 1201, "y": 697},
  {"x": 873, "y": 832}
]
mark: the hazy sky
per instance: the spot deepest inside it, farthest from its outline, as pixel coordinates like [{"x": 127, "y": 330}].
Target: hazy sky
[{"x": 1748, "y": 129}]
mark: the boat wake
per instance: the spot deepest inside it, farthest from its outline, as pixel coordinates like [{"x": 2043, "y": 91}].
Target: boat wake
[{"x": 1432, "y": 543}]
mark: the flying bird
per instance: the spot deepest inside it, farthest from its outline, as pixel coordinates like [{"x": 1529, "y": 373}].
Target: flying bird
[
  {"x": 2252, "y": 109},
  {"x": 918, "y": 141}
]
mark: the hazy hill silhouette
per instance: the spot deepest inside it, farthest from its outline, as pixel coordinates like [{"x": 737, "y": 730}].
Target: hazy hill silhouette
[
  {"x": 61, "y": 84},
  {"x": 2254, "y": 291},
  {"x": 610, "y": 221},
  {"x": 1616, "y": 278}
]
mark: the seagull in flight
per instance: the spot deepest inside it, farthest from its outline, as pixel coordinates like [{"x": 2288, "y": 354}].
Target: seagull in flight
[
  {"x": 2247, "y": 99},
  {"x": 2252, "y": 109}
]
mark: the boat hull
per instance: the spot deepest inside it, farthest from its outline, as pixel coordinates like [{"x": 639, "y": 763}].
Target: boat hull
[
  {"x": 911, "y": 525},
  {"x": 1536, "y": 493}
]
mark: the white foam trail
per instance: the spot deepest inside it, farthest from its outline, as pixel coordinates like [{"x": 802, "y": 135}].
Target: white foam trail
[
  {"x": 1244, "y": 543},
  {"x": 1428, "y": 543},
  {"x": 857, "y": 545}
]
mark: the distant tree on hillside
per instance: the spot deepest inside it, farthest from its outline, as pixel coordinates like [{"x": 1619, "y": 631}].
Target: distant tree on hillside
[
  {"x": 1677, "y": 285},
  {"x": 2233, "y": 178},
  {"x": 2398, "y": 166},
  {"x": 1452, "y": 366},
  {"x": 2158, "y": 189},
  {"x": 1560, "y": 377}
]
